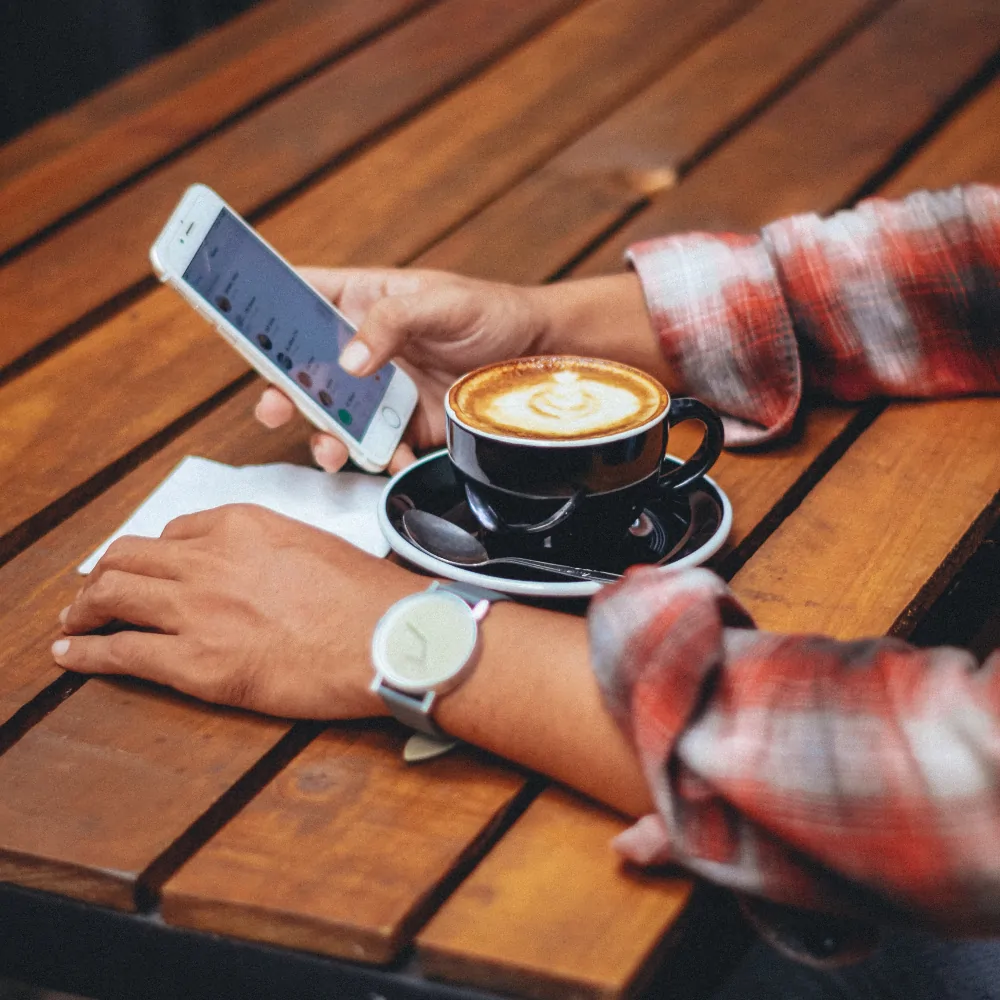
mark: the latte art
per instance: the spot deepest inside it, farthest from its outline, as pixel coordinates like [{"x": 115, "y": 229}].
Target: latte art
[
  {"x": 567, "y": 405},
  {"x": 557, "y": 398}
]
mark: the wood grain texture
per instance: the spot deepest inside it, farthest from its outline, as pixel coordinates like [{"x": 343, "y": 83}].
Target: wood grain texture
[
  {"x": 965, "y": 150},
  {"x": 344, "y": 851},
  {"x": 641, "y": 149},
  {"x": 265, "y": 154},
  {"x": 881, "y": 524},
  {"x": 75, "y": 156},
  {"x": 42, "y": 580},
  {"x": 86, "y": 406},
  {"x": 551, "y": 912},
  {"x": 157, "y": 360},
  {"x": 109, "y": 779},
  {"x": 811, "y": 150},
  {"x": 481, "y": 140}
]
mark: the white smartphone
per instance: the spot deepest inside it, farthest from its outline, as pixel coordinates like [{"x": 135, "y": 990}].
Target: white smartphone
[{"x": 283, "y": 327}]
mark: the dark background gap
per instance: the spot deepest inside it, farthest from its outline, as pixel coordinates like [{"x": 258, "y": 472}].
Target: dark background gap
[{"x": 55, "y": 52}]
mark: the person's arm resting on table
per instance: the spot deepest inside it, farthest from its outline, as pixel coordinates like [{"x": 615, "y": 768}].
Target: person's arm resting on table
[{"x": 851, "y": 777}]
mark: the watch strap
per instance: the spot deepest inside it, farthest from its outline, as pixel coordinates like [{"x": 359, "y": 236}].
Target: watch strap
[
  {"x": 411, "y": 710},
  {"x": 470, "y": 593}
]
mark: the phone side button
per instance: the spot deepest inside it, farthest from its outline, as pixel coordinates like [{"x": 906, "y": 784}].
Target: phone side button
[{"x": 391, "y": 417}]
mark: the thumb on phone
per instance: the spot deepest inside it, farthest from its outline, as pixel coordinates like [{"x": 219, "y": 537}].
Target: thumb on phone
[{"x": 389, "y": 324}]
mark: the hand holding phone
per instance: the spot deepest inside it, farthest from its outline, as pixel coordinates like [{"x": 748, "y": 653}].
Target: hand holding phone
[{"x": 285, "y": 329}]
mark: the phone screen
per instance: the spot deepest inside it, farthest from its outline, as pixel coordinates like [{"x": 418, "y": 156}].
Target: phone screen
[{"x": 282, "y": 317}]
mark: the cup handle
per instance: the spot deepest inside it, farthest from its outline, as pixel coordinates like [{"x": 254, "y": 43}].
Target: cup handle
[
  {"x": 492, "y": 521},
  {"x": 683, "y": 478}
]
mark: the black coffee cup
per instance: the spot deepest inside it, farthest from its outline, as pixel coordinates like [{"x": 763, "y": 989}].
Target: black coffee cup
[{"x": 557, "y": 484}]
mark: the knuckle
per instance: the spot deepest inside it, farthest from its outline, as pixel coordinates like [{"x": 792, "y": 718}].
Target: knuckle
[
  {"x": 119, "y": 551},
  {"x": 107, "y": 586},
  {"x": 120, "y": 651},
  {"x": 389, "y": 314},
  {"x": 176, "y": 526}
]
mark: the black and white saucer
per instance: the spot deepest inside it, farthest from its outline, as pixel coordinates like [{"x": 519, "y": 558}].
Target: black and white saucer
[{"x": 669, "y": 533}]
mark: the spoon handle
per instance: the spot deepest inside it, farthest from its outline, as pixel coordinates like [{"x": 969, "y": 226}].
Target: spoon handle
[{"x": 576, "y": 572}]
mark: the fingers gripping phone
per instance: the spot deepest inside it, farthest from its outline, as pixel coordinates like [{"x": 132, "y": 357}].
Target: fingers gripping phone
[{"x": 284, "y": 328}]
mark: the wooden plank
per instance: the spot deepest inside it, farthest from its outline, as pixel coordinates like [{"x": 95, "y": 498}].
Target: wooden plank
[
  {"x": 643, "y": 148},
  {"x": 566, "y": 920},
  {"x": 380, "y": 837},
  {"x": 964, "y": 151},
  {"x": 261, "y": 157},
  {"x": 884, "y": 528},
  {"x": 439, "y": 165},
  {"x": 113, "y": 756},
  {"x": 900, "y": 71},
  {"x": 67, "y": 160}
]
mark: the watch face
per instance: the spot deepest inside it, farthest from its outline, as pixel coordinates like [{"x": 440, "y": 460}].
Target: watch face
[{"x": 424, "y": 641}]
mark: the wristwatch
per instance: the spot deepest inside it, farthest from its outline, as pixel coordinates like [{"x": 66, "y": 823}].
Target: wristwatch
[{"x": 423, "y": 646}]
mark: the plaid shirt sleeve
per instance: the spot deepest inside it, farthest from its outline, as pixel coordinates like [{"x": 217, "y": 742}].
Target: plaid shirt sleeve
[
  {"x": 893, "y": 298},
  {"x": 855, "y": 778}
]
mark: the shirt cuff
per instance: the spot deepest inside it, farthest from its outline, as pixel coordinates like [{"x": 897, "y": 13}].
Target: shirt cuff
[
  {"x": 717, "y": 307},
  {"x": 656, "y": 643}
]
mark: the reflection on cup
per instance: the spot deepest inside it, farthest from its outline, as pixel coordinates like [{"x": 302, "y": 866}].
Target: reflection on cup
[
  {"x": 264, "y": 340},
  {"x": 325, "y": 398},
  {"x": 305, "y": 379}
]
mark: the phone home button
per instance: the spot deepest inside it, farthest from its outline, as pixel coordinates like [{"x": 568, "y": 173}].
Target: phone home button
[{"x": 391, "y": 417}]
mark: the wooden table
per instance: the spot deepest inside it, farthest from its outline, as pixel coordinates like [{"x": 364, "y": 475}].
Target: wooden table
[{"x": 523, "y": 140}]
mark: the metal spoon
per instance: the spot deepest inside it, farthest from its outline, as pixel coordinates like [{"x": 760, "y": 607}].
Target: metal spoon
[{"x": 447, "y": 541}]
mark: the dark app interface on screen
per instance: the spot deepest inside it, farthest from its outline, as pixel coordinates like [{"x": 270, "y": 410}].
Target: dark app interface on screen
[{"x": 282, "y": 318}]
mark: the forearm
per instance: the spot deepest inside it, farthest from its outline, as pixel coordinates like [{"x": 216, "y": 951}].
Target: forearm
[
  {"x": 533, "y": 699},
  {"x": 603, "y": 317}
]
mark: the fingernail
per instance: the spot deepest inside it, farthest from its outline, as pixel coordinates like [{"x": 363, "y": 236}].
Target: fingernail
[
  {"x": 259, "y": 414},
  {"x": 60, "y": 648},
  {"x": 354, "y": 357},
  {"x": 64, "y": 614},
  {"x": 321, "y": 453}
]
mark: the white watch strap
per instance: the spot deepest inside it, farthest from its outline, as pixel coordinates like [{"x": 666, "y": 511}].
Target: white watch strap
[{"x": 411, "y": 710}]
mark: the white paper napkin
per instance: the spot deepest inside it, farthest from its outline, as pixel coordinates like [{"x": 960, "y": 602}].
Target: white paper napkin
[{"x": 344, "y": 503}]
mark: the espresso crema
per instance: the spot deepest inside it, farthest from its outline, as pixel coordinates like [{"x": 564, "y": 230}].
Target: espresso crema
[{"x": 556, "y": 398}]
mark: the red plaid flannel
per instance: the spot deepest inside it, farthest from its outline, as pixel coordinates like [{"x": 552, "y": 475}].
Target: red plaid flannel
[{"x": 853, "y": 777}]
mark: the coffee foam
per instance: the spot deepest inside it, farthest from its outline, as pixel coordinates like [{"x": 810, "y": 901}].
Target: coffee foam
[{"x": 557, "y": 398}]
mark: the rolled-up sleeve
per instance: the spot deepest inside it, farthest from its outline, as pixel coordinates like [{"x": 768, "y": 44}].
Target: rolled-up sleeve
[
  {"x": 856, "y": 778},
  {"x": 892, "y": 298}
]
